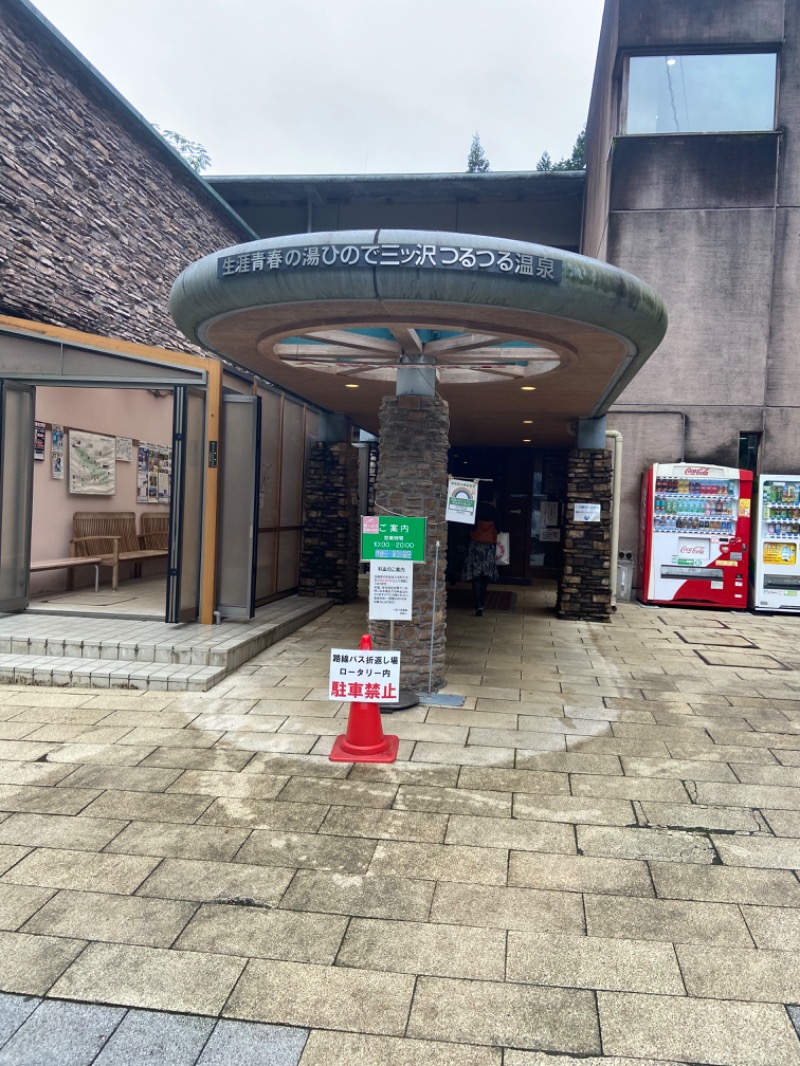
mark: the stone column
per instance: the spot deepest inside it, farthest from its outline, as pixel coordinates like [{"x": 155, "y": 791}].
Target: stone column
[
  {"x": 584, "y": 590},
  {"x": 329, "y": 558},
  {"x": 412, "y": 480}
]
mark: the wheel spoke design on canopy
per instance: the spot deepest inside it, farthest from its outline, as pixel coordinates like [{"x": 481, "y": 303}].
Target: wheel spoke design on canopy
[{"x": 459, "y": 357}]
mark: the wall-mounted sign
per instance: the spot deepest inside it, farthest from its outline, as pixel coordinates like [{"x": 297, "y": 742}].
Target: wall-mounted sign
[
  {"x": 364, "y": 675},
  {"x": 462, "y": 497},
  {"x": 392, "y": 537},
  {"x": 541, "y": 269},
  {"x": 587, "y": 512},
  {"x": 391, "y": 590}
]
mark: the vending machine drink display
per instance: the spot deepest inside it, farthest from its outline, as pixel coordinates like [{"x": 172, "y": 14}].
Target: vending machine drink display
[
  {"x": 695, "y": 535},
  {"x": 775, "y": 562}
]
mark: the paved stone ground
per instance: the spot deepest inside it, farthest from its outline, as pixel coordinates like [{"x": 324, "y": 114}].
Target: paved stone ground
[{"x": 593, "y": 861}]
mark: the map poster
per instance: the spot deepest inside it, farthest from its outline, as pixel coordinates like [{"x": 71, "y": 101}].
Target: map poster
[
  {"x": 124, "y": 450},
  {"x": 92, "y": 459}
]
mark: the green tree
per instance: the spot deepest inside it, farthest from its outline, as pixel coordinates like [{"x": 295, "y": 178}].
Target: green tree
[
  {"x": 477, "y": 163},
  {"x": 576, "y": 160},
  {"x": 192, "y": 151}
]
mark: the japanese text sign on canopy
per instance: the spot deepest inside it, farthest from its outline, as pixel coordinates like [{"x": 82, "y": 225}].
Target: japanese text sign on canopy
[
  {"x": 371, "y": 676},
  {"x": 462, "y": 496},
  {"x": 391, "y": 590},
  {"x": 392, "y": 537}
]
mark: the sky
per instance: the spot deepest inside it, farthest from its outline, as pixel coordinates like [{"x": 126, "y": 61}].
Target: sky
[{"x": 348, "y": 86}]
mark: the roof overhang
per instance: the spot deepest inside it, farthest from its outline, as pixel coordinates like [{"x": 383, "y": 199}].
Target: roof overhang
[{"x": 525, "y": 338}]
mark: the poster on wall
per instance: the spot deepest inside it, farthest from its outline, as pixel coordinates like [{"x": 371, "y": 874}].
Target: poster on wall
[
  {"x": 91, "y": 464},
  {"x": 57, "y": 465},
  {"x": 39, "y": 435},
  {"x": 153, "y": 473},
  {"x": 57, "y": 439},
  {"x": 124, "y": 450}
]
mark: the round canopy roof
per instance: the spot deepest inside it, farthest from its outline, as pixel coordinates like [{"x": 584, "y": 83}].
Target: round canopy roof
[{"x": 524, "y": 338}]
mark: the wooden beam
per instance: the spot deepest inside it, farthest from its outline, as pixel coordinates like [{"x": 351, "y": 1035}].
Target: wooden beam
[
  {"x": 408, "y": 339},
  {"x": 358, "y": 341}
]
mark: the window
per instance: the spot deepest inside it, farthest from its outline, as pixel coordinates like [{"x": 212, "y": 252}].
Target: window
[
  {"x": 701, "y": 93},
  {"x": 748, "y": 451}
]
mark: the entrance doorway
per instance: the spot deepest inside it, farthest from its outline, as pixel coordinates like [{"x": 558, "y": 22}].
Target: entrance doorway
[{"x": 530, "y": 487}]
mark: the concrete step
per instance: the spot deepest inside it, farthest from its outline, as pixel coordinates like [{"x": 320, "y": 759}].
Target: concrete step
[{"x": 65, "y": 672}]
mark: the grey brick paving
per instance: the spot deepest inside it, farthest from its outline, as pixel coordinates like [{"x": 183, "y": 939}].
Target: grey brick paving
[{"x": 606, "y": 820}]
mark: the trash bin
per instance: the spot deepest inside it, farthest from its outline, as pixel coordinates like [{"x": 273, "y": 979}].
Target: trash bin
[{"x": 624, "y": 577}]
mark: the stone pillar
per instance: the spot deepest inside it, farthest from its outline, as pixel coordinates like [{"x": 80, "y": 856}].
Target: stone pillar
[
  {"x": 412, "y": 480},
  {"x": 329, "y": 557},
  {"x": 584, "y": 590}
]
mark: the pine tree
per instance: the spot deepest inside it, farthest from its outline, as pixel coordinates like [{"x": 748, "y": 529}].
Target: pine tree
[{"x": 477, "y": 163}]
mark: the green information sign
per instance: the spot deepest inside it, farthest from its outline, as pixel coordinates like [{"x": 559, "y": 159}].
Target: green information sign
[{"x": 392, "y": 537}]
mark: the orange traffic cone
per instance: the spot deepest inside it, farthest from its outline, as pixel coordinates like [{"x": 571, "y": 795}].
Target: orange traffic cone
[{"x": 364, "y": 740}]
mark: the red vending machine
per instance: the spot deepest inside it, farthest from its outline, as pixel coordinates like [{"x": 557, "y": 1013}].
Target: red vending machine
[{"x": 694, "y": 543}]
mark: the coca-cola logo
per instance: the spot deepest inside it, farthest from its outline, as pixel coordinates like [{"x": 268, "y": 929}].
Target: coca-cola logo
[
  {"x": 691, "y": 549},
  {"x": 697, "y": 471}
]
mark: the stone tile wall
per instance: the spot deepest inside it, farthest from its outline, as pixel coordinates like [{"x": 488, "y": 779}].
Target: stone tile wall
[
  {"x": 96, "y": 217},
  {"x": 330, "y": 553},
  {"x": 585, "y": 585},
  {"x": 412, "y": 480}
]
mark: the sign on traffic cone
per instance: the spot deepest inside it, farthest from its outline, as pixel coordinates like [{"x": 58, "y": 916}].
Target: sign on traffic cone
[{"x": 364, "y": 740}]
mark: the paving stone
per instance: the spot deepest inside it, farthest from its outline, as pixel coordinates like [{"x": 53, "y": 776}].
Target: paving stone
[
  {"x": 694, "y": 816},
  {"x": 725, "y": 753},
  {"x": 307, "y": 851},
  {"x": 578, "y": 873},
  {"x": 30, "y": 964},
  {"x": 61, "y": 1034},
  {"x": 783, "y": 823},
  {"x": 463, "y": 756},
  {"x": 228, "y": 783},
  {"x": 507, "y": 908},
  {"x": 33, "y": 773},
  {"x": 697, "y": 1030},
  {"x": 593, "y": 962},
  {"x": 418, "y": 948},
  {"x": 143, "y": 807},
  {"x": 43, "y": 800},
  {"x": 775, "y": 928},
  {"x": 184, "y": 981},
  {"x": 528, "y": 781},
  {"x": 13, "y": 1012},
  {"x": 656, "y": 919},
  {"x": 725, "y": 884},
  {"x": 537, "y": 1058},
  {"x": 325, "y": 1048},
  {"x": 153, "y": 1037},
  {"x": 639, "y": 788},
  {"x": 216, "y": 843},
  {"x": 389, "y": 825},
  {"x": 249, "y": 1044},
  {"x": 572, "y": 762},
  {"x": 454, "y": 800},
  {"x": 210, "y": 881},
  {"x": 740, "y": 973},
  {"x": 127, "y": 778},
  {"x": 641, "y": 843},
  {"x": 774, "y": 853},
  {"x": 341, "y": 793},
  {"x": 404, "y": 774},
  {"x": 264, "y": 814},
  {"x": 435, "y": 862},
  {"x": 120, "y": 919},
  {"x": 323, "y": 997},
  {"x": 505, "y": 1014},
  {"x": 59, "y": 868},
  {"x": 263, "y": 933},
  {"x": 198, "y": 759},
  {"x": 775, "y": 796},
  {"x": 355, "y": 894},
  {"x": 574, "y": 810}
]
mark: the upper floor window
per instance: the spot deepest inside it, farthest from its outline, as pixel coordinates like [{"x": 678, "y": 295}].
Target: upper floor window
[{"x": 701, "y": 93}]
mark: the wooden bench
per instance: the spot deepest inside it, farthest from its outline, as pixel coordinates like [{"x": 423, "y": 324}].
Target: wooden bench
[
  {"x": 154, "y": 531},
  {"x": 112, "y": 536},
  {"x": 70, "y": 565}
]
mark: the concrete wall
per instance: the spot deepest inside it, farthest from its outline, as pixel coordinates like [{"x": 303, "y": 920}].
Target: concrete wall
[
  {"x": 97, "y": 216},
  {"x": 711, "y": 222}
]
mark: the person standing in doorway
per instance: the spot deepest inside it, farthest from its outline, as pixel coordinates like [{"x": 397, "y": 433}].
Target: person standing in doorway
[{"x": 480, "y": 565}]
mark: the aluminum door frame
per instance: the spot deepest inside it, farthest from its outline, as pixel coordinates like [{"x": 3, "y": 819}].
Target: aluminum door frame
[
  {"x": 186, "y": 505},
  {"x": 239, "y": 469},
  {"x": 17, "y": 419}
]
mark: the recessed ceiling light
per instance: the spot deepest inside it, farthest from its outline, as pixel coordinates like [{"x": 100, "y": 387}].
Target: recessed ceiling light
[
  {"x": 528, "y": 388},
  {"x": 350, "y": 385},
  {"x": 526, "y": 440},
  {"x": 527, "y": 421}
]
